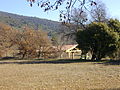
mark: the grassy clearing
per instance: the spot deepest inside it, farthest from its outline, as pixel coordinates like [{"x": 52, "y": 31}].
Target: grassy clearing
[{"x": 58, "y": 75}]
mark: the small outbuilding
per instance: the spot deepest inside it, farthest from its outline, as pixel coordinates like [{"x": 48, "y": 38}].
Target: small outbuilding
[{"x": 70, "y": 51}]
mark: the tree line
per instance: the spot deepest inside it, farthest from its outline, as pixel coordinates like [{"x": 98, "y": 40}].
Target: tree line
[
  {"x": 102, "y": 39},
  {"x": 26, "y": 43}
]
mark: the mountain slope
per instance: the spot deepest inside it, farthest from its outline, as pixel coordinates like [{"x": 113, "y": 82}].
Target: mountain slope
[
  {"x": 54, "y": 29},
  {"x": 18, "y": 21}
]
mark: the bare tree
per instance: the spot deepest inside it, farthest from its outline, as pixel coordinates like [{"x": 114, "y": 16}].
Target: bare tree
[
  {"x": 78, "y": 21},
  {"x": 65, "y": 14},
  {"x": 98, "y": 13},
  {"x": 79, "y": 18}
]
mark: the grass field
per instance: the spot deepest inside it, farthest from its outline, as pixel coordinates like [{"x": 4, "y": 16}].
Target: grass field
[{"x": 58, "y": 75}]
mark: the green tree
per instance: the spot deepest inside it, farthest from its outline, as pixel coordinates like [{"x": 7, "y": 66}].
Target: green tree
[
  {"x": 98, "y": 39},
  {"x": 114, "y": 24}
]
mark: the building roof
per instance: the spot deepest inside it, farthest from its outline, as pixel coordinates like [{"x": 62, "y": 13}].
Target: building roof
[{"x": 68, "y": 48}]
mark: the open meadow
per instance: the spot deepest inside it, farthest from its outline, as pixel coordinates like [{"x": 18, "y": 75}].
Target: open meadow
[{"x": 58, "y": 75}]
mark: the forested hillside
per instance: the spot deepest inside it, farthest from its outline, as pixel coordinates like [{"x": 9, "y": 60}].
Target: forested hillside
[
  {"x": 54, "y": 29},
  {"x": 19, "y": 21}
]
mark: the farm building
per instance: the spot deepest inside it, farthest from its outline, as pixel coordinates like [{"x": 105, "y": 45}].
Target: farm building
[{"x": 72, "y": 52}]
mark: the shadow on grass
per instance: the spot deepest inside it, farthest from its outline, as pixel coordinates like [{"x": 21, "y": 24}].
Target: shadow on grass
[
  {"x": 7, "y": 58},
  {"x": 110, "y": 62},
  {"x": 58, "y": 61},
  {"x": 52, "y": 61}
]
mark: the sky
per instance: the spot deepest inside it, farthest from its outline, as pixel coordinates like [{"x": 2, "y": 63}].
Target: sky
[{"x": 22, "y": 7}]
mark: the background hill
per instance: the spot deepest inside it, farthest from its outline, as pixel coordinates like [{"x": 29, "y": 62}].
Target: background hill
[
  {"x": 55, "y": 29},
  {"x": 19, "y": 21}
]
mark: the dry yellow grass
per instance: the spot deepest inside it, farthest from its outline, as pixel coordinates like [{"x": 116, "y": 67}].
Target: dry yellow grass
[{"x": 70, "y": 76}]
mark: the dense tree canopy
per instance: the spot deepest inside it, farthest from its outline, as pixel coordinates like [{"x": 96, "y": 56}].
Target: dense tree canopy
[
  {"x": 98, "y": 39},
  {"x": 6, "y": 37},
  {"x": 31, "y": 43},
  {"x": 114, "y": 24},
  {"x": 25, "y": 43}
]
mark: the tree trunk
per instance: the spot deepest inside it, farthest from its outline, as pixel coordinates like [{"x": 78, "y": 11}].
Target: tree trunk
[
  {"x": 93, "y": 57},
  {"x": 99, "y": 56},
  {"x": 39, "y": 54},
  {"x": 23, "y": 56}
]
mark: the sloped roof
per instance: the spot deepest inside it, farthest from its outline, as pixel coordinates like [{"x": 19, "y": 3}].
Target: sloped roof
[{"x": 68, "y": 47}]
